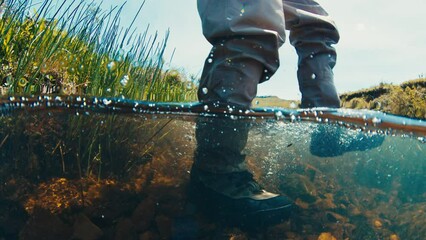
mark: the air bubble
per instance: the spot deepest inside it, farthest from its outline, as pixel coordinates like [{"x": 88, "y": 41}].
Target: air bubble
[
  {"x": 112, "y": 66},
  {"x": 313, "y": 76},
  {"x": 106, "y": 101},
  {"x": 376, "y": 120},
  {"x": 189, "y": 85},
  {"x": 209, "y": 60},
  {"x": 124, "y": 80},
  {"x": 205, "y": 90},
  {"x": 242, "y": 11}
]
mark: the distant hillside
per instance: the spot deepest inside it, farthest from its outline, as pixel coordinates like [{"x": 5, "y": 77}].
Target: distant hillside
[
  {"x": 273, "y": 101},
  {"x": 407, "y": 99}
]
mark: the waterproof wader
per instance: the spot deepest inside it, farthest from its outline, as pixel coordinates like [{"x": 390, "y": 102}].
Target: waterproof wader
[{"x": 246, "y": 36}]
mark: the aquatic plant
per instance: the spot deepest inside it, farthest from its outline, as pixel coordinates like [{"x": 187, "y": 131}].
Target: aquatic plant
[{"x": 76, "y": 48}]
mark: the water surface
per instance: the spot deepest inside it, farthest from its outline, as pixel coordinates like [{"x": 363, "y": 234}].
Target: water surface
[{"x": 116, "y": 168}]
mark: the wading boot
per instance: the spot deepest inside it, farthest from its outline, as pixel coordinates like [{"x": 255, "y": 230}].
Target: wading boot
[
  {"x": 237, "y": 199},
  {"x": 332, "y": 141}
]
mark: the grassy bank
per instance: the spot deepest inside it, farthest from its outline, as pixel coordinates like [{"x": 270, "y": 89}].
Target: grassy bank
[
  {"x": 407, "y": 99},
  {"x": 78, "y": 48}
]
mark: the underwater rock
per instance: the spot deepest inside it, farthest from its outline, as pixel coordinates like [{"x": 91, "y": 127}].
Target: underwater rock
[
  {"x": 149, "y": 236},
  {"x": 185, "y": 227},
  {"x": 85, "y": 229},
  {"x": 12, "y": 218},
  {"x": 354, "y": 210},
  {"x": 170, "y": 200},
  {"x": 125, "y": 229},
  {"x": 410, "y": 224},
  {"x": 394, "y": 237},
  {"x": 164, "y": 226},
  {"x": 280, "y": 230},
  {"x": 144, "y": 214},
  {"x": 299, "y": 186},
  {"x": 377, "y": 224},
  {"x": 335, "y": 217},
  {"x": 44, "y": 225},
  {"x": 326, "y": 236},
  {"x": 103, "y": 208},
  {"x": 301, "y": 204},
  {"x": 326, "y": 203},
  {"x": 15, "y": 186}
]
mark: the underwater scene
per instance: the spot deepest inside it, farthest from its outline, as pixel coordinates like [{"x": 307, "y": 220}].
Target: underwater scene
[
  {"x": 73, "y": 167},
  {"x": 102, "y": 137}
]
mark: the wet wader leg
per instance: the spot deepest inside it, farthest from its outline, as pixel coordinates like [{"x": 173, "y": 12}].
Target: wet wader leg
[
  {"x": 220, "y": 143},
  {"x": 312, "y": 33},
  {"x": 246, "y": 36}
]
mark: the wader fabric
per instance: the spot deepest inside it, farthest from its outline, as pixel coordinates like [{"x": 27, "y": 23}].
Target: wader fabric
[{"x": 246, "y": 36}]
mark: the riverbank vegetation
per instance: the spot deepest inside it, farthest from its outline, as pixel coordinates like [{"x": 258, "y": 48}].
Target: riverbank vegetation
[
  {"x": 407, "y": 99},
  {"x": 78, "y": 48}
]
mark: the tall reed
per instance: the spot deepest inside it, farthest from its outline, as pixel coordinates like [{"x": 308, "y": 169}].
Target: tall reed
[{"x": 78, "y": 48}]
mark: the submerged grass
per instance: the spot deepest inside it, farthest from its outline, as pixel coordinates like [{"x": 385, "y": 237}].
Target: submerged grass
[{"x": 76, "y": 48}]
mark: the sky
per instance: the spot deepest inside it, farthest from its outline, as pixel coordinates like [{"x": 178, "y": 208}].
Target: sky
[{"x": 381, "y": 41}]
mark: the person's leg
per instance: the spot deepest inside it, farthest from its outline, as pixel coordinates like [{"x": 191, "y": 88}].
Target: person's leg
[
  {"x": 220, "y": 143},
  {"x": 312, "y": 33},
  {"x": 245, "y": 36}
]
